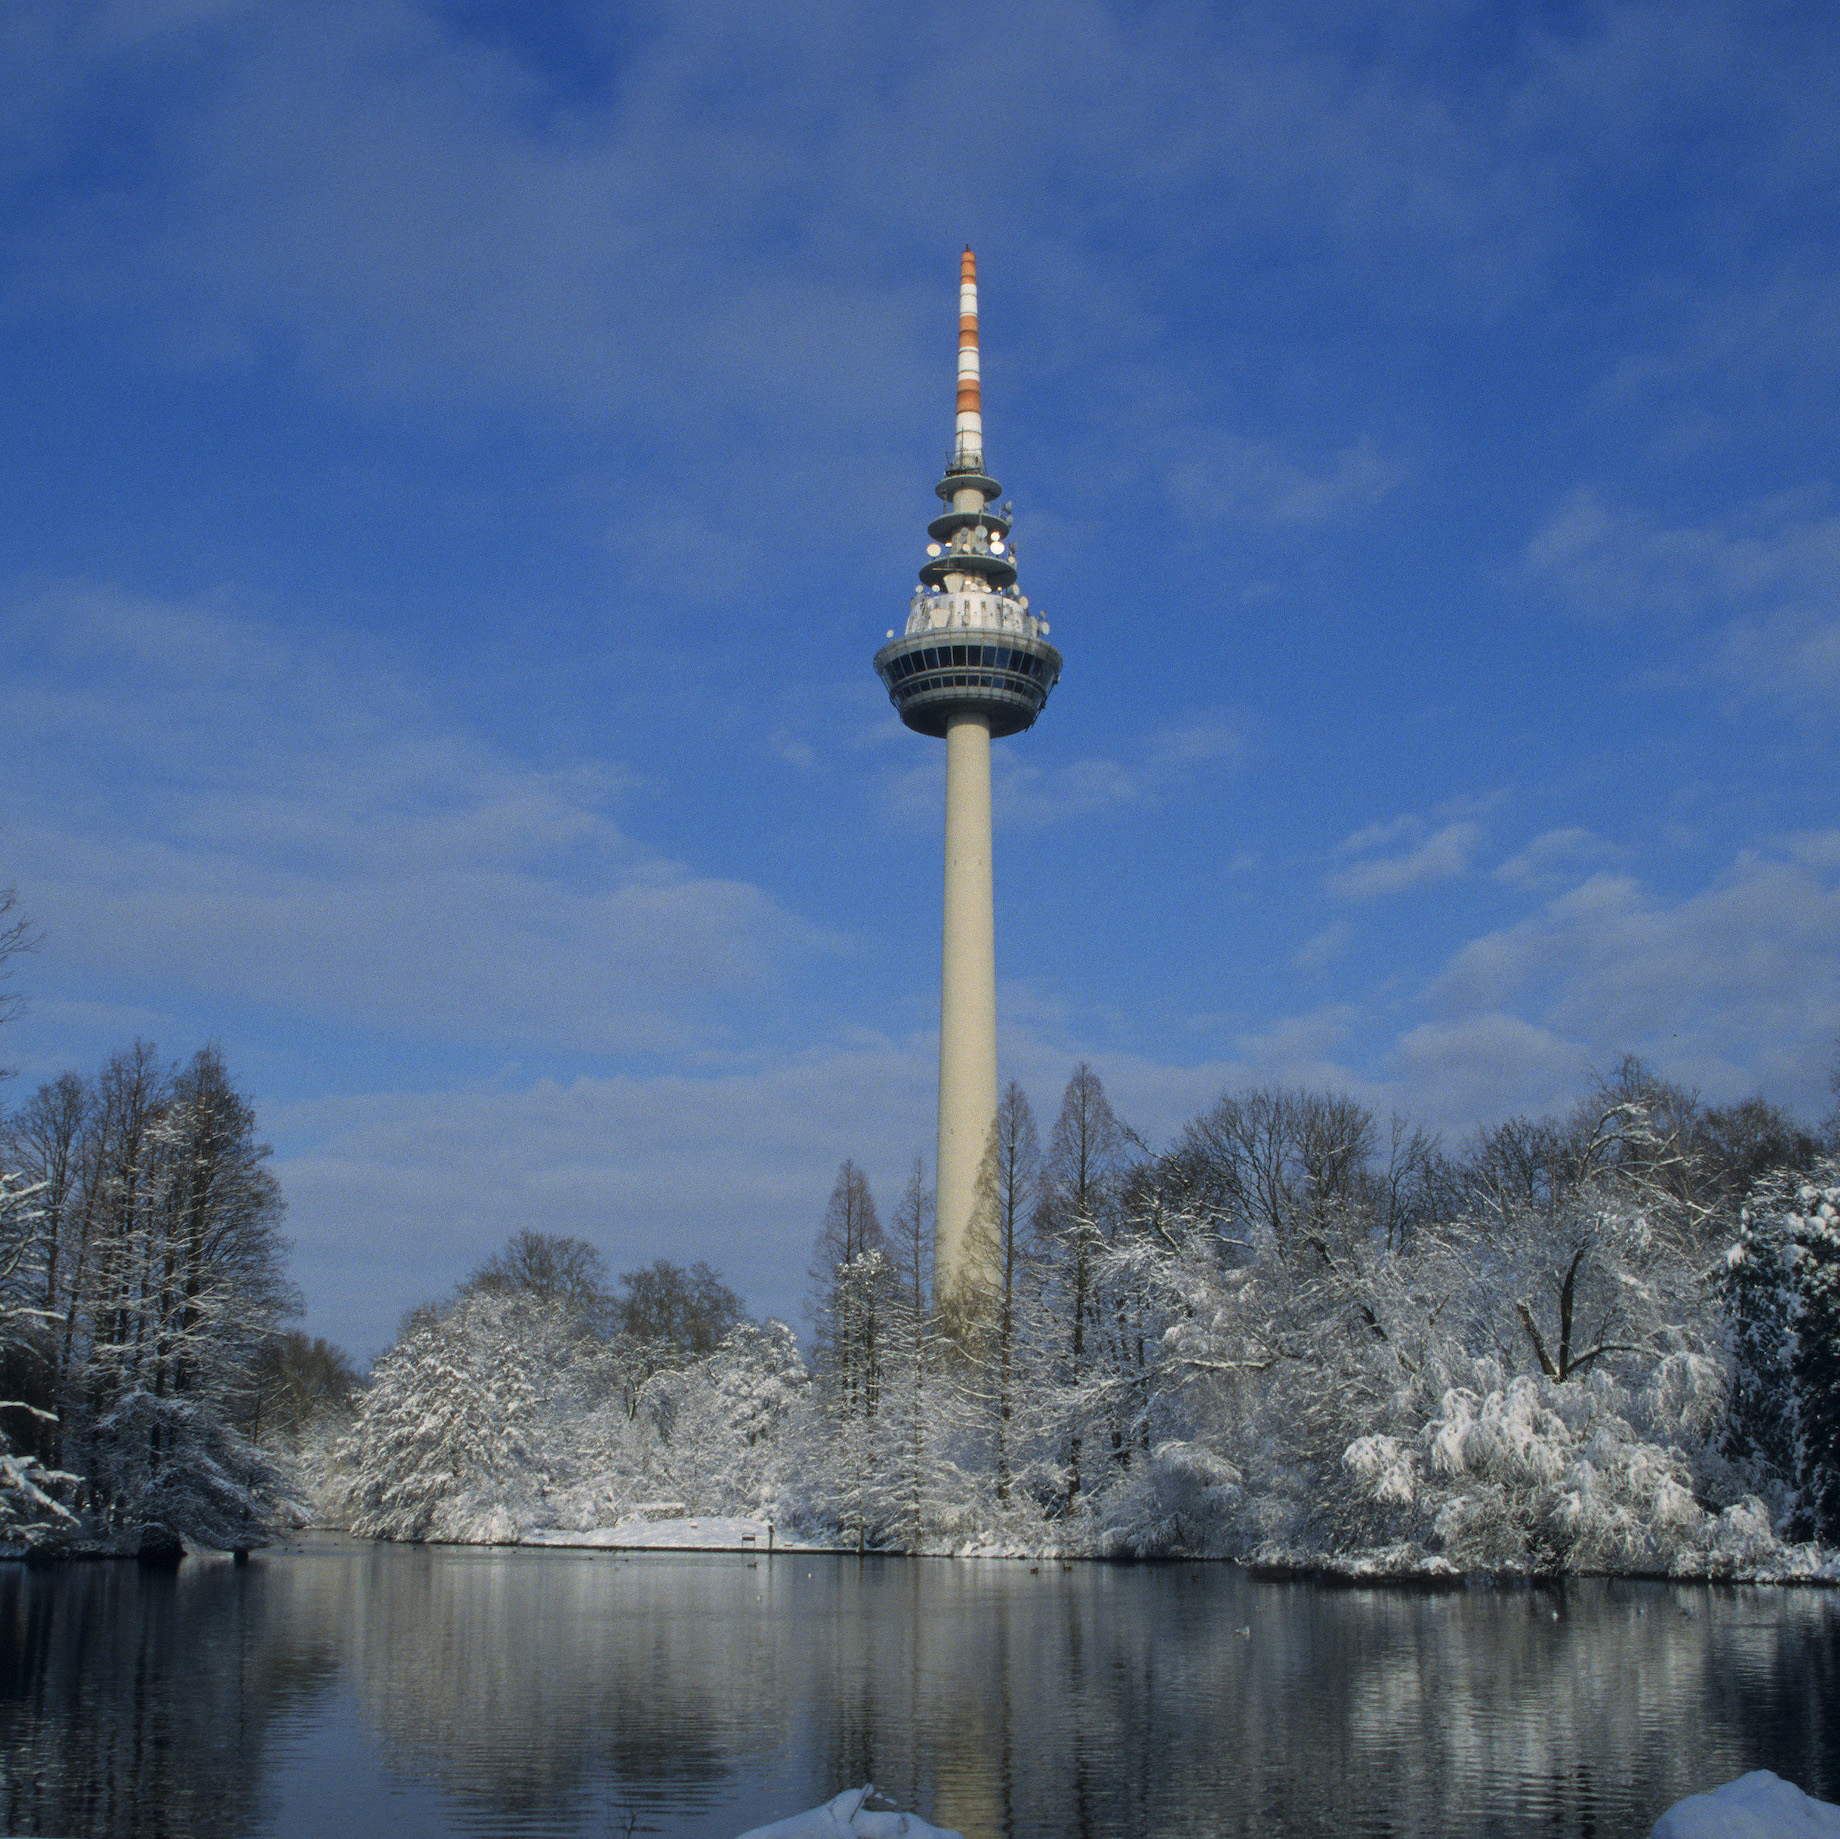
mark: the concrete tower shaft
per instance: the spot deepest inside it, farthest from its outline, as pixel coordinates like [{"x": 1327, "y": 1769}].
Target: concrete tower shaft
[
  {"x": 973, "y": 664},
  {"x": 967, "y": 1019}
]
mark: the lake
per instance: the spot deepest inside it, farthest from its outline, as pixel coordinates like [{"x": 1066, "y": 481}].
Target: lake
[{"x": 334, "y": 1687}]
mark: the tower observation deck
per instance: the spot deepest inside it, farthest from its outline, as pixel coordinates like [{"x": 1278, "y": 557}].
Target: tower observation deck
[
  {"x": 972, "y": 665},
  {"x": 970, "y": 644}
]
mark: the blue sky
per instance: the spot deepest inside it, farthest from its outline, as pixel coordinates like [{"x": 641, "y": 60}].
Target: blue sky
[{"x": 459, "y": 460}]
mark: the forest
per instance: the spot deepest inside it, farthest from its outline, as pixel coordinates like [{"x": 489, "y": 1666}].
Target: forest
[{"x": 1297, "y": 1335}]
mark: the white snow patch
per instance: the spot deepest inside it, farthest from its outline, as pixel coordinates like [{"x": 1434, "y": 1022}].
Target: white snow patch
[
  {"x": 1756, "y": 1806},
  {"x": 847, "y": 1814},
  {"x": 705, "y": 1533}
]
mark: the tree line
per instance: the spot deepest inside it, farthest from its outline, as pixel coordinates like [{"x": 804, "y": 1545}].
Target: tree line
[
  {"x": 1605, "y": 1339},
  {"x": 1298, "y": 1331}
]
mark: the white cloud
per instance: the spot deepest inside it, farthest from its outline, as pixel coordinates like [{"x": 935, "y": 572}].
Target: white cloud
[
  {"x": 1441, "y": 855},
  {"x": 1818, "y": 848},
  {"x": 1731, "y": 987},
  {"x": 284, "y": 822},
  {"x": 1380, "y": 833},
  {"x": 1027, "y": 794},
  {"x": 1302, "y": 1050},
  {"x": 1754, "y": 594},
  {"x": 1322, "y": 949},
  {"x": 1222, "y": 477},
  {"x": 1172, "y": 759},
  {"x": 1554, "y": 856},
  {"x": 1763, "y": 327},
  {"x": 1485, "y": 1067}
]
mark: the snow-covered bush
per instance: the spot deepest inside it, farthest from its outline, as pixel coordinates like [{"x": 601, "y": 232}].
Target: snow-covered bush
[
  {"x": 1530, "y": 1474},
  {"x": 1183, "y": 1500},
  {"x": 1525, "y": 1473}
]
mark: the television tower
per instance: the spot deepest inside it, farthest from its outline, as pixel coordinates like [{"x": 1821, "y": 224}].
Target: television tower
[{"x": 973, "y": 665}]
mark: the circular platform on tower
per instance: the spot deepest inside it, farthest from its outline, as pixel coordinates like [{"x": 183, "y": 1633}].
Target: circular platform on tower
[{"x": 932, "y": 676}]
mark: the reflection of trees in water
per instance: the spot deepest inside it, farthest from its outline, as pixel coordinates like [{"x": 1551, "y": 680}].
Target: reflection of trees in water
[
  {"x": 134, "y": 1703},
  {"x": 539, "y": 1690},
  {"x": 1776, "y": 1676},
  {"x": 514, "y": 1680},
  {"x": 1106, "y": 1701}
]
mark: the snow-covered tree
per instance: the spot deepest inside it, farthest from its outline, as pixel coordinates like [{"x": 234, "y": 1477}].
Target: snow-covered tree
[
  {"x": 158, "y": 1278},
  {"x": 907, "y": 1458},
  {"x": 1760, "y": 1314},
  {"x": 453, "y": 1439},
  {"x": 688, "y": 1312},
  {"x": 295, "y": 1382},
  {"x": 1083, "y": 1181},
  {"x": 988, "y": 1336},
  {"x": 850, "y": 1276},
  {"x": 187, "y": 1287},
  {"x": 666, "y": 1317},
  {"x": 554, "y": 1267},
  {"x": 1297, "y": 1335},
  {"x": 722, "y": 1422},
  {"x": 851, "y": 1382},
  {"x": 32, "y": 1497},
  {"x": 926, "y": 1487}
]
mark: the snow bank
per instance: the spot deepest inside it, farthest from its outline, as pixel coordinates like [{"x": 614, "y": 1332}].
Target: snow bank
[
  {"x": 848, "y": 1814},
  {"x": 705, "y": 1533},
  {"x": 1756, "y": 1806}
]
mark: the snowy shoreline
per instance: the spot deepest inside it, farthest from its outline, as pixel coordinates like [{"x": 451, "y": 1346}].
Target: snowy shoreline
[{"x": 1406, "y": 1567}]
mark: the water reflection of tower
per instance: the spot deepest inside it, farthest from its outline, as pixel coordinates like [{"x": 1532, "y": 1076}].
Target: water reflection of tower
[{"x": 973, "y": 665}]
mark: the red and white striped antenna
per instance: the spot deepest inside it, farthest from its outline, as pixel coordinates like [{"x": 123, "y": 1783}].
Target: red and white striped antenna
[{"x": 970, "y": 447}]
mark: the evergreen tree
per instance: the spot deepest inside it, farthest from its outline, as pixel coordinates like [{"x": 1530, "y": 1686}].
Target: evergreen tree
[
  {"x": 1816, "y": 1365},
  {"x": 1760, "y": 1310},
  {"x": 1782, "y": 1303}
]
